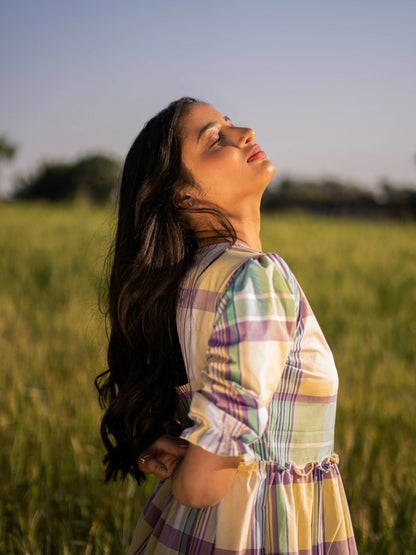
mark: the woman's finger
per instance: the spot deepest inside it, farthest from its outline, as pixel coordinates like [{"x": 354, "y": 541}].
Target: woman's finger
[
  {"x": 171, "y": 445},
  {"x": 150, "y": 465},
  {"x": 170, "y": 462}
]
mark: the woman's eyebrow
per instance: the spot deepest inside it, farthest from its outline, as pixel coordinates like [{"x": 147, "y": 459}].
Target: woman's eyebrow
[{"x": 208, "y": 125}]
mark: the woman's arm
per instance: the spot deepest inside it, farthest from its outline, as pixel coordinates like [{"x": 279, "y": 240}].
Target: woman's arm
[
  {"x": 253, "y": 332},
  {"x": 202, "y": 479},
  {"x": 199, "y": 478}
]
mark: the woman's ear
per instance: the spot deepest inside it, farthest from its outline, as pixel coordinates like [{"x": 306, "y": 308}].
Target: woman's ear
[{"x": 185, "y": 199}]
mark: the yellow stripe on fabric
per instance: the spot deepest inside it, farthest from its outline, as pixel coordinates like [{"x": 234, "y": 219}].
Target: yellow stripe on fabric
[
  {"x": 243, "y": 493},
  {"x": 337, "y": 524},
  {"x": 303, "y": 496},
  {"x": 314, "y": 386}
]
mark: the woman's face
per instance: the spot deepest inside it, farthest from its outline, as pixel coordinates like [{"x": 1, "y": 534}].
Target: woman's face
[{"x": 225, "y": 161}]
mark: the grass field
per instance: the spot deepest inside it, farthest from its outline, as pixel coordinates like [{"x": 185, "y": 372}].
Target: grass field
[{"x": 360, "y": 278}]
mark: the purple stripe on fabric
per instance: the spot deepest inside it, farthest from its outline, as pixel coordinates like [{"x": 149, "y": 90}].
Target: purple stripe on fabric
[
  {"x": 306, "y": 309},
  {"x": 220, "y": 442},
  {"x": 203, "y": 527},
  {"x": 185, "y": 392},
  {"x": 151, "y": 514},
  {"x": 200, "y": 545},
  {"x": 345, "y": 547},
  {"x": 181, "y": 541},
  {"x": 299, "y": 332},
  {"x": 292, "y": 397},
  {"x": 266, "y": 330},
  {"x": 246, "y": 551},
  {"x": 202, "y": 299},
  {"x": 185, "y": 301}
]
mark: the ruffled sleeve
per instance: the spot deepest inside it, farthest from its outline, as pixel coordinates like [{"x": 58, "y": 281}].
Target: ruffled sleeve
[{"x": 253, "y": 332}]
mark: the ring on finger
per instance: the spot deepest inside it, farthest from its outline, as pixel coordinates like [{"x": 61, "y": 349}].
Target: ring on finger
[{"x": 143, "y": 459}]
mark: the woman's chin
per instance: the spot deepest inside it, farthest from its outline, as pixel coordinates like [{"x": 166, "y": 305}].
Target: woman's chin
[
  {"x": 271, "y": 168},
  {"x": 269, "y": 171}
]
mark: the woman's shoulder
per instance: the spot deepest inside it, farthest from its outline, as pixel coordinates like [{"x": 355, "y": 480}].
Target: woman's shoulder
[
  {"x": 223, "y": 266},
  {"x": 233, "y": 276}
]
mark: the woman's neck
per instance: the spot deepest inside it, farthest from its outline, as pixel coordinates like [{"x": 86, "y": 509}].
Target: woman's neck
[
  {"x": 253, "y": 242},
  {"x": 245, "y": 222},
  {"x": 247, "y": 228}
]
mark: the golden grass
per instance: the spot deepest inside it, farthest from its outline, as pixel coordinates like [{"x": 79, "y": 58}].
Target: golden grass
[{"x": 360, "y": 278}]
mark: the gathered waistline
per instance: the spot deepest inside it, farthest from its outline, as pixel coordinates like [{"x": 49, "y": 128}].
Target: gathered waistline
[{"x": 273, "y": 467}]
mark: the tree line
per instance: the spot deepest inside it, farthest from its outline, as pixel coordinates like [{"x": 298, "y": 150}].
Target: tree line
[
  {"x": 91, "y": 178},
  {"x": 94, "y": 178},
  {"x": 335, "y": 198}
]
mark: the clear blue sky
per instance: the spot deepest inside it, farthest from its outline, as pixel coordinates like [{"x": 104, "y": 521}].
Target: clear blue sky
[{"x": 328, "y": 86}]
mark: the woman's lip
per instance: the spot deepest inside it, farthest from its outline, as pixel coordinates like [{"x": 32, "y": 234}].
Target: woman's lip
[{"x": 257, "y": 156}]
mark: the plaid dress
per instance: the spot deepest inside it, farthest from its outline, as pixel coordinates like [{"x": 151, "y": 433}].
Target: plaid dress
[{"x": 262, "y": 385}]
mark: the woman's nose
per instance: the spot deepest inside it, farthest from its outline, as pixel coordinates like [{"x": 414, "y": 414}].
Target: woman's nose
[{"x": 246, "y": 135}]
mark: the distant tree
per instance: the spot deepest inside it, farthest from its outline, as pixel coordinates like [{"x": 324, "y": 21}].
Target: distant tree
[
  {"x": 7, "y": 149},
  {"x": 91, "y": 178},
  {"x": 96, "y": 178},
  {"x": 52, "y": 182},
  {"x": 400, "y": 200}
]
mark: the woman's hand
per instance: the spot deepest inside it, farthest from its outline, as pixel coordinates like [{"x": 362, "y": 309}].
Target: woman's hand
[{"x": 162, "y": 456}]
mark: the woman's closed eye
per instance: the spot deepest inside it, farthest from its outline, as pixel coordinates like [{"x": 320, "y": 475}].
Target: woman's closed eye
[
  {"x": 218, "y": 135},
  {"x": 215, "y": 139}
]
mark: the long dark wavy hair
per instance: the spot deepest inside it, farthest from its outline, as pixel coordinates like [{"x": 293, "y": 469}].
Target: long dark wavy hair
[{"x": 153, "y": 249}]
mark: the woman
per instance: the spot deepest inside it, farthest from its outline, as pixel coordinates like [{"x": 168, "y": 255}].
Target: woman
[{"x": 208, "y": 331}]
